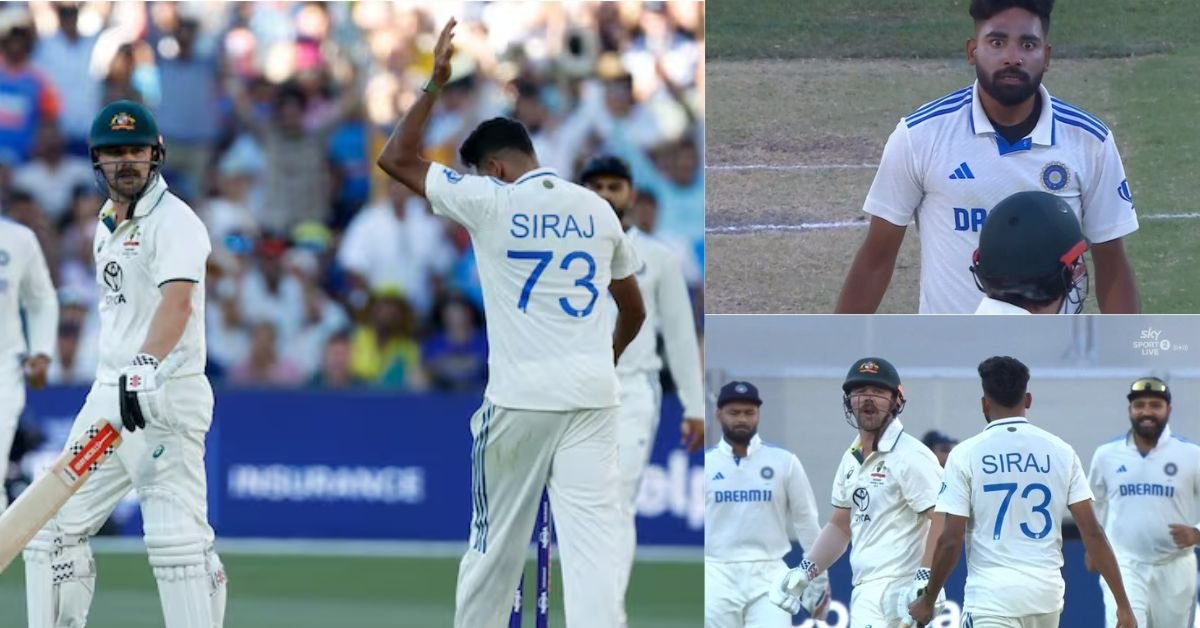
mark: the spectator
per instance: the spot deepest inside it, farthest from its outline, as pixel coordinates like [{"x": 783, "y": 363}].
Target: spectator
[
  {"x": 397, "y": 243},
  {"x": 940, "y": 444},
  {"x": 456, "y": 356},
  {"x": 65, "y": 58},
  {"x": 52, "y": 177},
  {"x": 188, "y": 112},
  {"x": 230, "y": 213},
  {"x": 383, "y": 351},
  {"x": 264, "y": 366},
  {"x": 78, "y": 341},
  {"x": 322, "y": 317},
  {"x": 27, "y": 99},
  {"x": 268, "y": 292},
  {"x": 335, "y": 364}
]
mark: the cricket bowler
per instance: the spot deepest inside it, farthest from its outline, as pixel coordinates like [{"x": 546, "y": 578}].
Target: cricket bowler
[
  {"x": 547, "y": 249},
  {"x": 25, "y": 284},
  {"x": 669, "y": 309},
  {"x": 951, "y": 160},
  {"x": 150, "y": 251}
]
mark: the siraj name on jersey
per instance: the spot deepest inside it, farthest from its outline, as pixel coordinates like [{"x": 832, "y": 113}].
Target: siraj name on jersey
[
  {"x": 1013, "y": 462},
  {"x": 545, "y": 226}
]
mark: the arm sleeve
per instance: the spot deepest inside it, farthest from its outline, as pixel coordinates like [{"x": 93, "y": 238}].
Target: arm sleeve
[
  {"x": 955, "y": 495},
  {"x": 897, "y": 189},
  {"x": 840, "y": 498},
  {"x": 1078, "y": 490},
  {"x": 624, "y": 261},
  {"x": 802, "y": 505},
  {"x": 466, "y": 199},
  {"x": 679, "y": 337},
  {"x": 1107, "y": 212},
  {"x": 181, "y": 249},
  {"x": 920, "y": 481},
  {"x": 1099, "y": 490},
  {"x": 40, "y": 302}
]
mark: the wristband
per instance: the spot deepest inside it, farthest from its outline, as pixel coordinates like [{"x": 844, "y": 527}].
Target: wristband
[{"x": 431, "y": 88}]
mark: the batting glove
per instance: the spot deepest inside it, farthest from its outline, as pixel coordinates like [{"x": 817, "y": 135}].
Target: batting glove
[
  {"x": 140, "y": 395},
  {"x": 787, "y": 595},
  {"x": 917, "y": 589}
]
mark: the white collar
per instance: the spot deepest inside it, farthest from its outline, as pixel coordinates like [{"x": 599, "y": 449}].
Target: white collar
[
  {"x": 994, "y": 306},
  {"x": 1042, "y": 134},
  {"x": 754, "y": 445}
]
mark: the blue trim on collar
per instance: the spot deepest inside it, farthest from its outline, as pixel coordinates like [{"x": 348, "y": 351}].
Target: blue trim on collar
[
  {"x": 1005, "y": 148},
  {"x": 535, "y": 175}
]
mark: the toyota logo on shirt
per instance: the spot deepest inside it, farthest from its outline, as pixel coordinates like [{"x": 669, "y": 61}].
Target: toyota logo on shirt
[
  {"x": 113, "y": 276},
  {"x": 862, "y": 498}
]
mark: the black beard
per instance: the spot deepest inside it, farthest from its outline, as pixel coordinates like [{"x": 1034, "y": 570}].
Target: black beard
[
  {"x": 1149, "y": 433},
  {"x": 1009, "y": 95},
  {"x": 736, "y": 438}
]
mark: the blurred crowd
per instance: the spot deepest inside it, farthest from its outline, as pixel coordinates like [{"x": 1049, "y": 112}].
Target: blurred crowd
[{"x": 322, "y": 272}]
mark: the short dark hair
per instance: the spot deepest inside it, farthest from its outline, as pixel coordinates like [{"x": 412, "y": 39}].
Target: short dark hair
[
  {"x": 1004, "y": 380},
  {"x": 985, "y": 9},
  {"x": 492, "y": 136}
]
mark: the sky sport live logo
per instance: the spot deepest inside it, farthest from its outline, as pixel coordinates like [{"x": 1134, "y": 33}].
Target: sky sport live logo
[{"x": 1151, "y": 342}]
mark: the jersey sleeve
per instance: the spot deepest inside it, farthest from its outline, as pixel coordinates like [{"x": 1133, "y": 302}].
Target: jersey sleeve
[
  {"x": 841, "y": 496},
  {"x": 802, "y": 506},
  {"x": 897, "y": 189},
  {"x": 181, "y": 248},
  {"x": 466, "y": 199},
  {"x": 38, "y": 298},
  {"x": 955, "y": 495},
  {"x": 1078, "y": 490},
  {"x": 624, "y": 261},
  {"x": 1096, "y": 483},
  {"x": 920, "y": 481},
  {"x": 1107, "y": 212},
  {"x": 679, "y": 336}
]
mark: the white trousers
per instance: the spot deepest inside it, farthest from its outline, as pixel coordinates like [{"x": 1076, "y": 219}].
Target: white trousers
[
  {"x": 515, "y": 454},
  {"x": 637, "y": 424},
  {"x": 12, "y": 402},
  {"x": 735, "y": 595},
  {"x": 1163, "y": 595}
]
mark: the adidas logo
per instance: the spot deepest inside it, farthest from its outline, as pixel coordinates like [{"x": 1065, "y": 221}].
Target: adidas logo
[
  {"x": 962, "y": 172},
  {"x": 1121, "y": 469},
  {"x": 719, "y": 476}
]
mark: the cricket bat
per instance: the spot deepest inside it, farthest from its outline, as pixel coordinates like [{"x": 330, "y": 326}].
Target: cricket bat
[{"x": 42, "y": 499}]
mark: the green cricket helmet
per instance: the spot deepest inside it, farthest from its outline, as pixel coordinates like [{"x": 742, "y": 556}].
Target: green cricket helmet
[
  {"x": 125, "y": 123},
  {"x": 871, "y": 372},
  {"x": 1031, "y": 249}
]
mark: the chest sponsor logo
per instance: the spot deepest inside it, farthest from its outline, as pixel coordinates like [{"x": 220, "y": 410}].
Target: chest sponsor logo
[
  {"x": 862, "y": 501},
  {"x": 113, "y": 278},
  {"x": 722, "y": 497}
]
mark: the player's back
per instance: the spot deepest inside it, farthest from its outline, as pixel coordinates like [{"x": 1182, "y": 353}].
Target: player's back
[
  {"x": 546, "y": 250},
  {"x": 1021, "y": 481},
  {"x": 18, "y": 248}
]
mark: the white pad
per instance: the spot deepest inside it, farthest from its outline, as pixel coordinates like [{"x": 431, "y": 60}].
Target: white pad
[
  {"x": 191, "y": 579},
  {"x": 60, "y": 579}
]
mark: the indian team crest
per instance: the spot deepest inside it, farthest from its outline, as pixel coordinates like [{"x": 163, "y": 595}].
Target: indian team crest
[
  {"x": 1171, "y": 469},
  {"x": 1055, "y": 176},
  {"x": 767, "y": 473}
]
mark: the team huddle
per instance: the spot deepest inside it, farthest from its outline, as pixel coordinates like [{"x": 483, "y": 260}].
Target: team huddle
[
  {"x": 575, "y": 297},
  {"x": 1003, "y": 497}
]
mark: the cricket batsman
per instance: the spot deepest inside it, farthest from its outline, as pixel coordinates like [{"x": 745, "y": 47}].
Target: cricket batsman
[
  {"x": 669, "y": 308},
  {"x": 24, "y": 284},
  {"x": 150, "y": 252},
  {"x": 547, "y": 249}
]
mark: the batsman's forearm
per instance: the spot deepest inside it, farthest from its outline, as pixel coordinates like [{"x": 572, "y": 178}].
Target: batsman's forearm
[
  {"x": 1096, "y": 545},
  {"x": 166, "y": 328},
  {"x": 404, "y": 145},
  {"x": 945, "y": 558},
  {"x": 937, "y": 522},
  {"x": 829, "y": 546}
]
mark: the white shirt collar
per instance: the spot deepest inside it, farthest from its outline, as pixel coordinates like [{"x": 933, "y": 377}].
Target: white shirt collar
[
  {"x": 536, "y": 172},
  {"x": 148, "y": 201},
  {"x": 887, "y": 440},
  {"x": 1009, "y": 421},
  {"x": 1043, "y": 133},
  {"x": 994, "y": 306},
  {"x": 1163, "y": 438},
  {"x": 755, "y": 444}
]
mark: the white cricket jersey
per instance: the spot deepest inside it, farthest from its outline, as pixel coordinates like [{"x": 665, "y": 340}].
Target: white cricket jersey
[
  {"x": 24, "y": 284},
  {"x": 1014, "y": 481},
  {"x": 946, "y": 166},
  {"x": 1138, "y": 497},
  {"x": 887, "y": 495},
  {"x": 754, "y": 505},
  {"x": 994, "y": 306},
  {"x": 164, "y": 241},
  {"x": 669, "y": 310},
  {"x": 546, "y": 250}
]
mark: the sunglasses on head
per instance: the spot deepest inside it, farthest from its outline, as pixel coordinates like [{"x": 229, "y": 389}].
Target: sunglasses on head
[{"x": 1148, "y": 385}]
